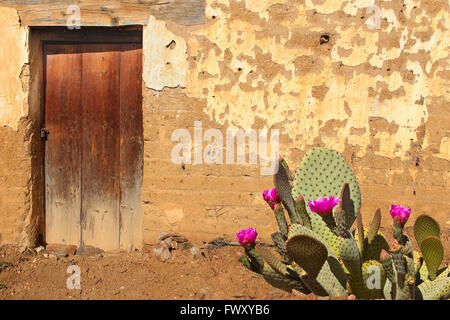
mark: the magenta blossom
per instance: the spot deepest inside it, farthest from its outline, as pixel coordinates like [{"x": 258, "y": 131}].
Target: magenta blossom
[
  {"x": 247, "y": 237},
  {"x": 271, "y": 197},
  {"x": 400, "y": 213},
  {"x": 323, "y": 206}
]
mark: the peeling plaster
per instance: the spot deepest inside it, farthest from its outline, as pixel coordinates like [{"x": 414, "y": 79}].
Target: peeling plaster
[
  {"x": 14, "y": 56},
  {"x": 355, "y": 59},
  {"x": 444, "y": 150},
  {"x": 165, "y": 57}
]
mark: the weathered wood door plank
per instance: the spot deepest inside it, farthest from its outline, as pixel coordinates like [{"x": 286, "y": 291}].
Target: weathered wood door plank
[
  {"x": 63, "y": 147},
  {"x": 101, "y": 134},
  {"x": 131, "y": 146}
]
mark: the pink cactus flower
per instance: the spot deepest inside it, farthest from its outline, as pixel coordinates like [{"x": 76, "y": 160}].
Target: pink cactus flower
[
  {"x": 400, "y": 213},
  {"x": 247, "y": 237},
  {"x": 271, "y": 197},
  {"x": 323, "y": 206}
]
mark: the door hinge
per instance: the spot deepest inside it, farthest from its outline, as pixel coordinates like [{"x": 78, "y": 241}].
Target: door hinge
[{"x": 44, "y": 133}]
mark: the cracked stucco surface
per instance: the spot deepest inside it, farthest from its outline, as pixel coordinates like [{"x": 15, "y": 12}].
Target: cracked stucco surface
[
  {"x": 264, "y": 60},
  {"x": 314, "y": 69},
  {"x": 14, "y": 56},
  {"x": 164, "y": 62},
  {"x": 324, "y": 74}
]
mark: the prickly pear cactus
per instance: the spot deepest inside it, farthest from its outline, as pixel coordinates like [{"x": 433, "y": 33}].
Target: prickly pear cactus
[
  {"x": 322, "y": 173},
  {"x": 318, "y": 252},
  {"x": 433, "y": 283}
]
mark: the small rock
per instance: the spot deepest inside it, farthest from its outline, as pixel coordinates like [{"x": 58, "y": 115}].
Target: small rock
[
  {"x": 46, "y": 255},
  {"x": 297, "y": 293},
  {"x": 71, "y": 250},
  {"x": 39, "y": 249},
  {"x": 120, "y": 290},
  {"x": 201, "y": 294},
  {"x": 162, "y": 234},
  {"x": 194, "y": 251},
  {"x": 162, "y": 251}
]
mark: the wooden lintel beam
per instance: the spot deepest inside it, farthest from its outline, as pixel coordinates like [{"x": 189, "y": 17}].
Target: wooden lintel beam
[{"x": 107, "y": 13}]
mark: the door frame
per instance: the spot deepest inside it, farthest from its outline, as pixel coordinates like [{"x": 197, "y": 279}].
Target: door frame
[{"x": 39, "y": 36}]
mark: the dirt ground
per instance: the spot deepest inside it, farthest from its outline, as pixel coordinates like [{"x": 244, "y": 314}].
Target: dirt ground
[{"x": 212, "y": 274}]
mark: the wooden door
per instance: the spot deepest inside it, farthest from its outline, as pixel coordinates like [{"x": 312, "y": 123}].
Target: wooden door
[{"x": 93, "y": 150}]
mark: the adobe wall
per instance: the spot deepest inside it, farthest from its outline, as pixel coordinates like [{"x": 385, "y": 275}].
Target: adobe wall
[
  {"x": 313, "y": 69},
  {"x": 319, "y": 73}
]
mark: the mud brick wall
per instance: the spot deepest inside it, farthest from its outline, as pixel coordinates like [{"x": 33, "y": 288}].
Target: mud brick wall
[{"x": 319, "y": 71}]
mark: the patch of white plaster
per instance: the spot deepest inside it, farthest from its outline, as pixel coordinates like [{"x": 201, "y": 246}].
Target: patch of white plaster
[{"x": 165, "y": 57}]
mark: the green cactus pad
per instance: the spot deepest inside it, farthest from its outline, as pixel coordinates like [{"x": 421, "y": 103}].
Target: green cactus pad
[
  {"x": 337, "y": 276},
  {"x": 433, "y": 253},
  {"x": 417, "y": 262},
  {"x": 247, "y": 263},
  {"x": 331, "y": 276},
  {"x": 374, "y": 226},
  {"x": 407, "y": 291},
  {"x": 322, "y": 173},
  {"x": 389, "y": 268},
  {"x": 275, "y": 264},
  {"x": 357, "y": 286},
  {"x": 424, "y": 227},
  {"x": 284, "y": 190},
  {"x": 408, "y": 253},
  {"x": 309, "y": 253},
  {"x": 281, "y": 282},
  {"x": 297, "y": 229},
  {"x": 345, "y": 212},
  {"x": 255, "y": 259},
  {"x": 423, "y": 272},
  {"x": 410, "y": 270},
  {"x": 389, "y": 290},
  {"x": 400, "y": 266},
  {"x": 280, "y": 244},
  {"x": 286, "y": 168},
  {"x": 314, "y": 286},
  {"x": 281, "y": 219},
  {"x": 302, "y": 216},
  {"x": 349, "y": 254},
  {"x": 372, "y": 251},
  {"x": 439, "y": 288},
  {"x": 407, "y": 246}
]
